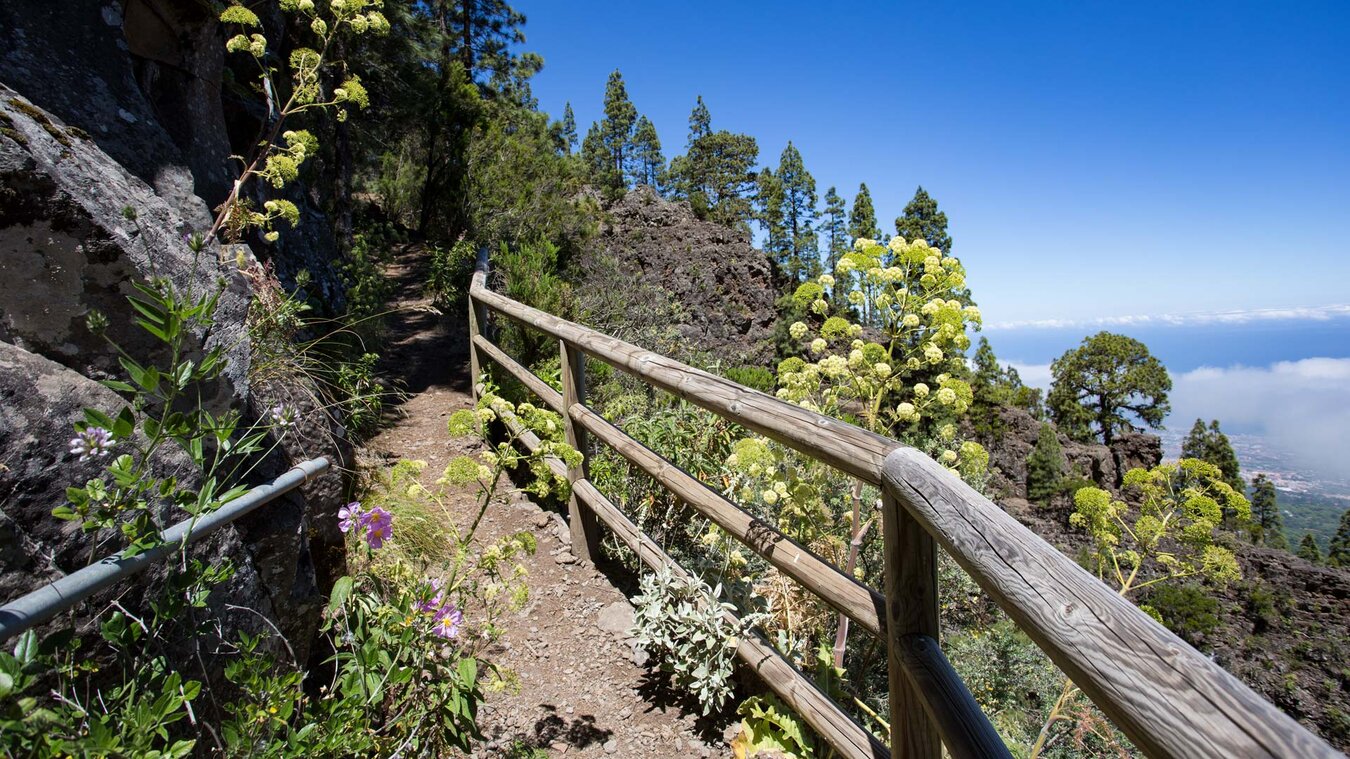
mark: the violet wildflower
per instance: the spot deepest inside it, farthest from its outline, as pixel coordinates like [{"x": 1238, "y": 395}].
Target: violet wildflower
[
  {"x": 448, "y": 621},
  {"x": 350, "y": 516},
  {"x": 433, "y": 605},
  {"x": 91, "y": 441},
  {"x": 282, "y": 415},
  {"x": 379, "y": 526}
]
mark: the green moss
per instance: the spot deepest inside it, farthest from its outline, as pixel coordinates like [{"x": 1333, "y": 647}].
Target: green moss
[{"x": 36, "y": 114}]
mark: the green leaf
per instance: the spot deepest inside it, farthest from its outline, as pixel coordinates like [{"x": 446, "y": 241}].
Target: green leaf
[
  {"x": 124, "y": 425},
  {"x": 27, "y": 648},
  {"x": 342, "y": 590},
  {"x": 118, "y": 386},
  {"x": 95, "y": 418}
]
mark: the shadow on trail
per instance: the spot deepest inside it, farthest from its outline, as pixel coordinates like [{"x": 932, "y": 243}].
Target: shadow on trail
[{"x": 423, "y": 346}]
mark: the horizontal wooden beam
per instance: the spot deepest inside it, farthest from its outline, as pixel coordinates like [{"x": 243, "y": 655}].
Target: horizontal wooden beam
[
  {"x": 1170, "y": 699},
  {"x": 839, "y": 444},
  {"x": 550, "y": 397},
  {"x": 824, "y": 716},
  {"x": 862, "y": 604}
]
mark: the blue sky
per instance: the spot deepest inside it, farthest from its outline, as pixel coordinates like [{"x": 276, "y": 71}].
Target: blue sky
[{"x": 1097, "y": 159}]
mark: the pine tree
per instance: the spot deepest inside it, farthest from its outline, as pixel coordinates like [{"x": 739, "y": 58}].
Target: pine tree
[
  {"x": 1308, "y": 549},
  {"x": 649, "y": 165},
  {"x": 716, "y": 173},
  {"x": 480, "y": 32},
  {"x": 1222, "y": 455},
  {"x": 1209, "y": 444},
  {"x": 1338, "y": 553},
  {"x": 616, "y": 134},
  {"x": 597, "y": 159},
  {"x": 835, "y": 229},
  {"x": 922, "y": 220},
  {"x": 1196, "y": 443},
  {"x": 1266, "y": 514},
  {"x": 1045, "y": 466},
  {"x": 569, "y": 129},
  {"x": 862, "y": 221},
  {"x": 769, "y": 214},
  {"x": 801, "y": 260}
]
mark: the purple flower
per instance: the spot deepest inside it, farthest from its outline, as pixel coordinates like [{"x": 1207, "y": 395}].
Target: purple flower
[
  {"x": 349, "y": 516},
  {"x": 282, "y": 415},
  {"x": 437, "y": 600},
  {"x": 379, "y": 526},
  {"x": 448, "y": 621},
  {"x": 91, "y": 441}
]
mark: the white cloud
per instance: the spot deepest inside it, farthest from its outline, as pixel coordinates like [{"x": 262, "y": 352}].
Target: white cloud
[
  {"x": 1301, "y": 408},
  {"x": 1246, "y": 316}
]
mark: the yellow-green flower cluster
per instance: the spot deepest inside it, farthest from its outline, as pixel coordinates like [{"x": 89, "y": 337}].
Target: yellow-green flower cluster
[{"x": 1169, "y": 520}]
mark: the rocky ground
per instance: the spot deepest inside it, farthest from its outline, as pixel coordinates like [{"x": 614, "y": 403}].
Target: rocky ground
[{"x": 583, "y": 688}]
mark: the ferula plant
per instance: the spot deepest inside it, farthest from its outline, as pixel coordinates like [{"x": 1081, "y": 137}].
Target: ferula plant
[
  {"x": 280, "y": 151},
  {"x": 894, "y": 372},
  {"x": 1166, "y": 529}
]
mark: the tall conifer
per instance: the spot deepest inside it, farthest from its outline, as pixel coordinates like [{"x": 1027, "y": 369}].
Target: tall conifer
[
  {"x": 569, "y": 129},
  {"x": 1338, "y": 553},
  {"x": 649, "y": 166},
  {"x": 835, "y": 229},
  {"x": 801, "y": 260},
  {"x": 616, "y": 133},
  {"x": 922, "y": 219},
  {"x": 862, "y": 221},
  {"x": 716, "y": 173},
  {"x": 1266, "y": 513}
]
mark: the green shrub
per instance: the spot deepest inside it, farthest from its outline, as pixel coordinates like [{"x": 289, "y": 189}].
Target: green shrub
[
  {"x": 1187, "y": 610},
  {"x": 756, "y": 377}
]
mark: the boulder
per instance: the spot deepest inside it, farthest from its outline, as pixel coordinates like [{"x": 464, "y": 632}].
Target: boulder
[
  {"x": 65, "y": 235},
  {"x": 725, "y": 289}
]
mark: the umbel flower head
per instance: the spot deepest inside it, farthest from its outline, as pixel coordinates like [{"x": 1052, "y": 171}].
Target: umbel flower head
[{"x": 91, "y": 441}]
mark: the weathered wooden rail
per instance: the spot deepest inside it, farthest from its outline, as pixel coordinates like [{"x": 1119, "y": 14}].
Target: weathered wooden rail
[{"x": 1168, "y": 698}]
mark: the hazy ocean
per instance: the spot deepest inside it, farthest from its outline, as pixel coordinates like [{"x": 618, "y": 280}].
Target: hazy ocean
[
  {"x": 1292, "y": 421},
  {"x": 1183, "y": 348}
]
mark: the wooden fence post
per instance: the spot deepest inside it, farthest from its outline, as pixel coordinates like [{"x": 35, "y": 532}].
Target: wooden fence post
[
  {"x": 475, "y": 362},
  {"x": 585, "y": 534},
  {"x": 911, "y": 609}
]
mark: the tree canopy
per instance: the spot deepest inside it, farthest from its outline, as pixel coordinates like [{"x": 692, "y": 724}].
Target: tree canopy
[
  {"x": 1104, "y": 384},
  {"x": 716, "y": 173}
]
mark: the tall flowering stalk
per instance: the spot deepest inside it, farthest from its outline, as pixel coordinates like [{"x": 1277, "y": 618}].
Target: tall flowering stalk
[{"x": 896, "y": 373}]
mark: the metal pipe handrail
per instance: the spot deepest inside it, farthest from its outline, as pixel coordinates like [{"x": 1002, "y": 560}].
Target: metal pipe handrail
[{"x": 46, "y": 602}]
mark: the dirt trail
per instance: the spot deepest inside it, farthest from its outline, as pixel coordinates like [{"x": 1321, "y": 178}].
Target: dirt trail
[{"x": 582, "y": 691}]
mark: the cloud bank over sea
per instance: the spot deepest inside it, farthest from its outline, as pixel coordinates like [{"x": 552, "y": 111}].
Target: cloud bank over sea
[
  {"x": 1300, "y": 407},
  {"x": 1245, "y": 316}
]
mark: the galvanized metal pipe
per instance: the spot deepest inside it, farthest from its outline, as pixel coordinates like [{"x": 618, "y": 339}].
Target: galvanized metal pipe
[{"x": 48, "y": 601}]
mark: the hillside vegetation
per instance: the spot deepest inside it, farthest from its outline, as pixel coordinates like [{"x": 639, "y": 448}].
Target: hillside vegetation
[{"x": 203, "y": 200}]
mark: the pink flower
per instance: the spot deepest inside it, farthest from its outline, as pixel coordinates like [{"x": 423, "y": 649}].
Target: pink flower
[
  {"x": 379, "y": 526},
  {"x": 433, "y": 605},
  {"x": 350, "y": 516},
  {"x": 448, "y": 621},
  {"x": 91, "y": 441}
]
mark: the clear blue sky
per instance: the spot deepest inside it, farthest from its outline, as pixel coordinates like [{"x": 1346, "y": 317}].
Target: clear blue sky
[{"x": 1096, "y": 159}]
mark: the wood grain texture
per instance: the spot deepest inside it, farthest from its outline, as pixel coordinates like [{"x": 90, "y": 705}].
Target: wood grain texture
[
  {"x": 1170, "y": 699},
  {"x": 862, "y": 604},
  {"x": 910, "y": 578},
  {"x": 585, "y": 535},
  {"x": 841, "y": 445}
]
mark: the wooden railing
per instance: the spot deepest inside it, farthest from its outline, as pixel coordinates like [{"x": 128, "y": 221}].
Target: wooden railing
[{"x": 1168, "y": 698}]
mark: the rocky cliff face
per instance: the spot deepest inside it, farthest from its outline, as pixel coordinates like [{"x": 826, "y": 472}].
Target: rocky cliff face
[
  {"x": 725, "y": 288},
  {"x": 1104, "y": 466},
  {"x": 80, "y": 141}
]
